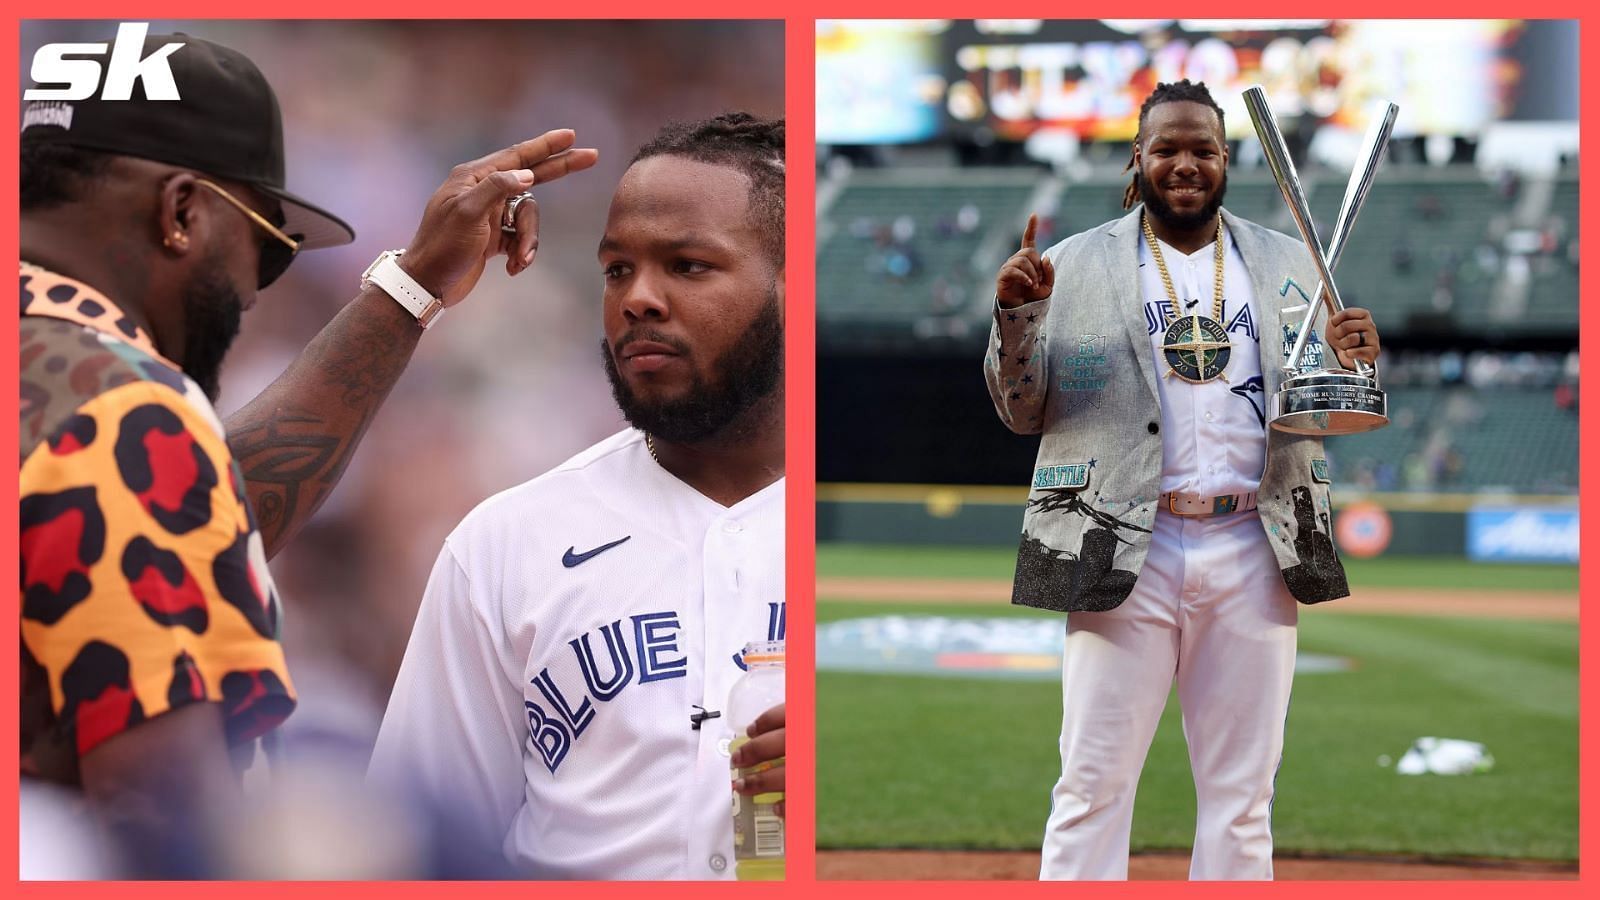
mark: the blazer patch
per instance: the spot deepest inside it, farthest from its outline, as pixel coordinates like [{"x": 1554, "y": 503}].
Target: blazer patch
[
  {"x": 1072, "y": 477},
  {"x": 1319, "y": 470},
  {"x": 1289, "y": 282},
  {"x": 1085, "y": 371}
]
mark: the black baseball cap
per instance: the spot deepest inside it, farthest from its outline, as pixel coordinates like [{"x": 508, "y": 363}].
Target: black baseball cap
[{"x": 226, "y": 123}]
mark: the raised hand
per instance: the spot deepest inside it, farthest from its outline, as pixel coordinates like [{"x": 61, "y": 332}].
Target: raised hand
[
  {"x": 1027, "y": 275},
  {"x": 461, "y": 226}
]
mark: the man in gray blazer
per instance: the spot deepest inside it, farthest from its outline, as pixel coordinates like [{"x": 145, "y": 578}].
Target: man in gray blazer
[{"x": 1167, "y": 519}]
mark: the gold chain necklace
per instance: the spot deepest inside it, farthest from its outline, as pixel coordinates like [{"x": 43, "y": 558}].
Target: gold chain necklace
[
  {"x": 650, "y": 444},
  {"x": 1196, "y": 348}
]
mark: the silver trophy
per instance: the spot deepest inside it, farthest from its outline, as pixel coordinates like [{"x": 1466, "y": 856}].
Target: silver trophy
[{"x": 1331, "y": 400}]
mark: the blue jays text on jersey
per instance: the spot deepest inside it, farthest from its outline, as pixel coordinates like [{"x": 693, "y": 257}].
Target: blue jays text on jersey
[
  {"x": 777, "y": 625},
  {"x": 559, "y": 714},
  {"x": 1156, "y": 313}
]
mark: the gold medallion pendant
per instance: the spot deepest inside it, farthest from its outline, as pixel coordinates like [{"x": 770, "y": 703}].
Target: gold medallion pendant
[{"x": 1196, "y": 349}]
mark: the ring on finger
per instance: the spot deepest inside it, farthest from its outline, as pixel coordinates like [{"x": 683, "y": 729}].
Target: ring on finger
[
  {"x": 508, "y": 223},
  {"x": 1361, "y": 339}
]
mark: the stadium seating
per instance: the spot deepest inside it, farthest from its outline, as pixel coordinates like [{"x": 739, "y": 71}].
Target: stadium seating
[
  {"x": 1553, "y": 288},
  {"x": 1464, "y": 439},
  {"x": 1376, "y": 460},
  {"x": 900, "y": 250},
  {"x": 1518, "y": 439},
  {"x": 1448, "y": 259},
  {"x": 1428, "y": 249}
]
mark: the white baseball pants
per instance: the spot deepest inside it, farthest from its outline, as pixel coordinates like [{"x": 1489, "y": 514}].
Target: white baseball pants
[{"x": 1209, "y": 609}]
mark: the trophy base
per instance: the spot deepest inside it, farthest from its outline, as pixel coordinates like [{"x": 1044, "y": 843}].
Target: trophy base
[{"x": 1332, "y": 401}]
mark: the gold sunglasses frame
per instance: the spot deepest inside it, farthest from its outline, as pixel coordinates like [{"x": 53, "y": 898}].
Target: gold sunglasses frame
[{"x": 275, "y": 231}]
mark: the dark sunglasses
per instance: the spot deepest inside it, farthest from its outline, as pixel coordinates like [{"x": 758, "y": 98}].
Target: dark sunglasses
[{"x": 277, "y": 250}]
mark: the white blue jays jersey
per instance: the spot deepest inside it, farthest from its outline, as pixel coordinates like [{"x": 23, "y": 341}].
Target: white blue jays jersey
[
  {"x": 570, "y": 629},
  {"x": 1213, "y": 435}
]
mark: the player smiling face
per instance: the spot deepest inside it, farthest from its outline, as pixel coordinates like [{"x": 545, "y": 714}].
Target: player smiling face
[
  {"x": 1182, "y": 160},
  {"x": 693, "y": 304}
]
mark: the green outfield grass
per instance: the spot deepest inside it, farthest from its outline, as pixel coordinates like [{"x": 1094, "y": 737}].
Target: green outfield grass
[
  {"x": 895, "y": 561},
  {"x": 956, "y": 763}
]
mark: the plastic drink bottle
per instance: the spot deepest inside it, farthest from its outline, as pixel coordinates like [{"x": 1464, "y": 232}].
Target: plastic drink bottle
[{"x": 757, "y": 829}]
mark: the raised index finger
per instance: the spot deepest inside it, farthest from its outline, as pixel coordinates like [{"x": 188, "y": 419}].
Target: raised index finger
[
  {"x": 1028, "y": 233},
  {"x": 525, "y": 155}
]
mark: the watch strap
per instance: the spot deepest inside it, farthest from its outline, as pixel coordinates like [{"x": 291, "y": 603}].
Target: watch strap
[{"x": 386, "y": 274}]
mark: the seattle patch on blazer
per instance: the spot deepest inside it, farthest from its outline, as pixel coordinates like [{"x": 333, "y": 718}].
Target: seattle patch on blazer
[{"x": 1074, "y": 476}]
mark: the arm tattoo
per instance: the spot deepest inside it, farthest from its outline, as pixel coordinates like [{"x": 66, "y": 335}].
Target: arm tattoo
[
  {"x": 280, "y": 455},
  {"x": 294, "y": 441}
]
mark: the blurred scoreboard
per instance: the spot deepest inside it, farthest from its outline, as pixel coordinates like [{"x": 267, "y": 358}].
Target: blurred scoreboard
[
  {"x": 880, "y": 81},
  {"x": 901, "y": 81}
]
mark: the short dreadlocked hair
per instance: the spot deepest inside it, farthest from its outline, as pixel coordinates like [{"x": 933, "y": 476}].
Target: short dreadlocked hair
[
  {"x": 741, "y": 141},
  {"x": 1191, "y": 91}
]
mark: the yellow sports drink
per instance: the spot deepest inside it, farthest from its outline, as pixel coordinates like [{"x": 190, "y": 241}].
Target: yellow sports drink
[{"x": 757, "y": 829}]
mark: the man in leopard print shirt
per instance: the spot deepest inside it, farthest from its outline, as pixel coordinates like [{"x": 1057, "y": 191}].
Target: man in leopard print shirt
[{"x": 150, "y": 655}]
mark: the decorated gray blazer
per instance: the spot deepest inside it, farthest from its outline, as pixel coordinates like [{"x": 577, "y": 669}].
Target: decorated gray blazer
[{"x": 1082, "y": 374}]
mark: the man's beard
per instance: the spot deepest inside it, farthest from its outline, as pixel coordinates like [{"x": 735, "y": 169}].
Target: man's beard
[
  {"x": 1166, "y": 215},
  {"x": 747, "y": 373},
  {"x": 212, "y": 309}
]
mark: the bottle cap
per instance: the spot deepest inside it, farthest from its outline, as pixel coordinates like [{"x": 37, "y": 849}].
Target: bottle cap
[{"x": 763, "y": 652}]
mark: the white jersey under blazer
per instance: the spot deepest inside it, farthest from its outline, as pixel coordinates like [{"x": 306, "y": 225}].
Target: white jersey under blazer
[{"x": 572, "y": 631}]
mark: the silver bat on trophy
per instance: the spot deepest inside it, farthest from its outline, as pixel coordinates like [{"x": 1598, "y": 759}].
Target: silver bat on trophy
[{"x": 1333, "y": 400}]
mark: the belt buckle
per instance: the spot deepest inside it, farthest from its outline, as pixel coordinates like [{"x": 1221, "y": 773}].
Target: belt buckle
[{"x": 1175, "y": 498}]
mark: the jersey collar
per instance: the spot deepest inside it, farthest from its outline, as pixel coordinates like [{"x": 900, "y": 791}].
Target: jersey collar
[{"x": 51, "y": 294}]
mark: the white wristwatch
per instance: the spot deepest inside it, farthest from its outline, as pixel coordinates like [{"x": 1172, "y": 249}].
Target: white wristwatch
[{"x": 385, "y": 273}]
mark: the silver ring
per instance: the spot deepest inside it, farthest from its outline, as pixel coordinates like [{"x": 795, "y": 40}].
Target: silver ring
[{"x": 508, "y": 224}]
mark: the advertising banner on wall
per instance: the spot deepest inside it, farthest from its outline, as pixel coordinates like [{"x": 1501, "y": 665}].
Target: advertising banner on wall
[{"x": 1523, "y": 534}]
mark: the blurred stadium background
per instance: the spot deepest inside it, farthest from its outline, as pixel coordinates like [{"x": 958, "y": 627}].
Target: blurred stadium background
[
  {"x": 936, "y": 139},
  {"x": 375, "y": 115}
]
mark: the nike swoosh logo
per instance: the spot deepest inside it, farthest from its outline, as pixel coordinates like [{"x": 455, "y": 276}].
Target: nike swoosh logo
[{"x": 570, "y": 559}]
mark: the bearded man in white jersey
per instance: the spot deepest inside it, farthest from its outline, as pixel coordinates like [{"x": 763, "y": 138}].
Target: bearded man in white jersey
[
  {"x": 563, "y": 688},
  {"x": 1171, "y": 524}
]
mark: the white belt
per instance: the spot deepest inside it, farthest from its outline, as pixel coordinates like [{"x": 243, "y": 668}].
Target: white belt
[{"x": 1196, "y": 505}]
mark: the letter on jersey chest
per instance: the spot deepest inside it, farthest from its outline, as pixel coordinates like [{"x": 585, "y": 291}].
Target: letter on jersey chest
[{"x": 636, "y": 653}]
